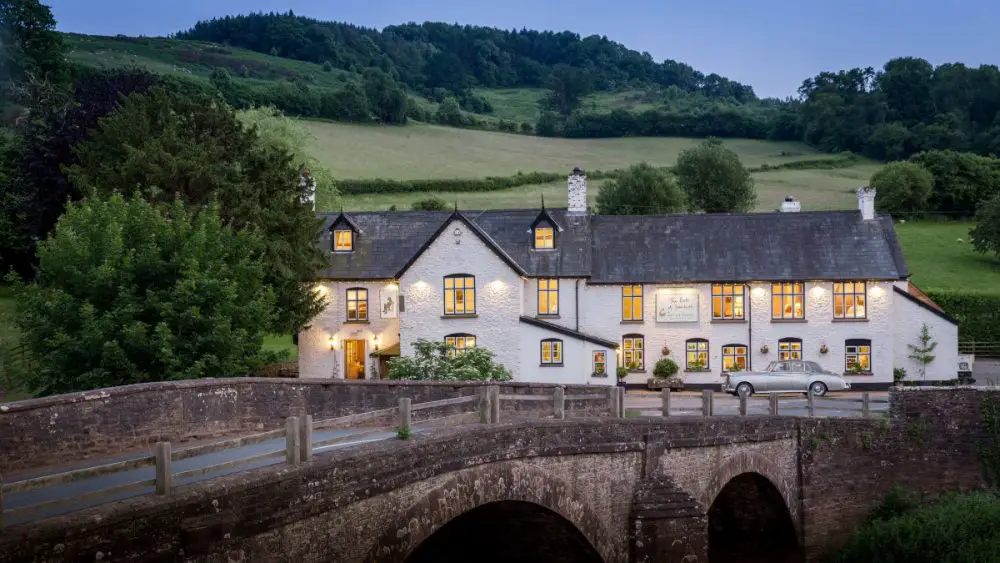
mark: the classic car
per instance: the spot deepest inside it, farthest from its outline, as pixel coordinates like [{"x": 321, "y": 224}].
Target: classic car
[{"x": 786, "y": 376}]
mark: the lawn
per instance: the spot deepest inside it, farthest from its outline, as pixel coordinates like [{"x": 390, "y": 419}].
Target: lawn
[
  {"x": 419, "y": 151},
  {"x": 277, "y": 343},
  {"x": 938, "y": 260}
]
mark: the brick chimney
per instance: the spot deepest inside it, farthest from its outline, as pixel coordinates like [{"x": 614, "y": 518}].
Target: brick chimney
[
  {"x": 576, "y": 186},
  {"x": 866, "y": 202}
]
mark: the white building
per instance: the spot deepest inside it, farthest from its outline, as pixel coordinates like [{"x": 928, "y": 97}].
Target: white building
[{"x": 562, "y": 295}]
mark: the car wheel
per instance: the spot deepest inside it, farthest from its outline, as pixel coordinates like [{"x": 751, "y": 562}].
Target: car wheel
[
  {"x": 744, "y": 390},
  {"x": 818, "y": 389}
]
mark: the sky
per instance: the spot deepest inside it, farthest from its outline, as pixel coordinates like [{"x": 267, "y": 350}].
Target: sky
[{"x": 773, "y": 45}]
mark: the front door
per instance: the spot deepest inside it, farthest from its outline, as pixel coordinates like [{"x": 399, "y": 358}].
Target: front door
[{"x": 354, "y": 358}]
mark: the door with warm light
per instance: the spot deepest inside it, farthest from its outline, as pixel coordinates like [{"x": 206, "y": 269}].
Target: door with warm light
[{"x": 354, "y": 358}]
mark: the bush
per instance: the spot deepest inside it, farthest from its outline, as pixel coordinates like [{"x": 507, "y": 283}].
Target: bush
[
  {"x": 714, "y": 179},
  {"x": 898, "y": 375},
  {"x": 961, "y": 180},
  {"x": 435, "y": 361},
  {"x": 641, "y": 190},
  {"x": 621, "y": 372},
  {"x": 977, "y": 312},
  {"x": 430, "y": 204},
  {"x": 665, "y": 368},
  {"x": 986, "y": 234},
  {"x": 903, "y": 187},
  {"x": 955, "y": 528}
]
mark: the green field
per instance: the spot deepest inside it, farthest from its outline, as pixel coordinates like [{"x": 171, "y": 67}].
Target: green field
[
  {"x": 521, "y": 104},
  {"x": 938, "y": 260}
]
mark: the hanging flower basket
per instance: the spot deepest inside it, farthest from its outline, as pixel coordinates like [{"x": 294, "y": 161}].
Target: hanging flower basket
[
  {"x": 764, "y": 349},
  {"x": 665, "y": 351},
  {"x": 823, "y": 349}
]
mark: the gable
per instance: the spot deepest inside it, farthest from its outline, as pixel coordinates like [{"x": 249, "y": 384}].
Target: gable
[{"x": 460, "y": 240}]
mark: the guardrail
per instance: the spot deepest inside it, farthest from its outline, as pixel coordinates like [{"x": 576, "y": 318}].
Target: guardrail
[
  {"x": 981, "y": 349},
  {"x": 862, "y": 405},
  {"x": 298, "y": 447}
]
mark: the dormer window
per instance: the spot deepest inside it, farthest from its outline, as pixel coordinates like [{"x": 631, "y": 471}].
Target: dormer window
[
  {"x": 544, "y": 238},
  {"x": 343, "y": 240}
]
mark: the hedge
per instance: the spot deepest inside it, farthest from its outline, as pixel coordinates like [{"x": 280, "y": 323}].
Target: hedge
[
  {"x": 488, "y": 184},
  {"x": 977, "y": 312}
]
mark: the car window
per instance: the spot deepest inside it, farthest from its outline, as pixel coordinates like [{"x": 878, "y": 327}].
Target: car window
[
  {"x": 797, "y": 367},
  {"x": 771, "y": 366},
  {"x": 780, "y": 366},
  {"x": 813, "y": 367}
]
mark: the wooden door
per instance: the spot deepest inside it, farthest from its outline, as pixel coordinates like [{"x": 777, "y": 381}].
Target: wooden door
[{"x": 354, "y": 358}]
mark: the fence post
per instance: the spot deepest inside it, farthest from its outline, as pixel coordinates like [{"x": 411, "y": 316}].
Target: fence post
[
  {"x": 773, "y": 406},
  {"x": 305, "y": 438},
  {"x": 494, "y": 404},
  {"x": 665, "y": 400},
  {"x": 1, "y": 502},
  {"x": 613, "y": 403},
  {"x": 484, "y": 404},
  {"x": 865, "y": 405},
  {"x": 559, "y": 403},
  {"x": 621, "y": 402},
  {"x": 811, "y": 403},
  {"x": 707, "y": 397},
  {"x": 292, "y": 440},
  {"x": 743, "y": 405},
  {"x": 163, "y": 474},
  {"x": 404, "y": 412}
]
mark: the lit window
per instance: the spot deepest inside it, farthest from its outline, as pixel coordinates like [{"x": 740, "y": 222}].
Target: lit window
[
  {"x": 543, "y": 237},
  {"x": 343, "y": 241},
  {"x": 734, "y": 357},
  {"x": 459, "y": 343},
  {"x": 790, "y": 349},
  {"x": 632, "y": 352},
  {"x": 460, "y": 295},
  {"x": 552, "y": 352},
  {"x": 600, "y": 362},
  {"x": 697, "y": 354},
  {"x": 548, "y": 296},
  {"x": 849, "y": 300},
  {"x": 357, "y": 304},
  {"x": 727, "y": 301},
  {"x": 788, "y": 301},
  {"x": 632, "y": 303},
  {"x": 858, "y": 355}
]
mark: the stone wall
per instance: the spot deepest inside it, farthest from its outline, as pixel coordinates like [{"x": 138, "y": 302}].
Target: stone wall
[{"x": 67, "y": 428}]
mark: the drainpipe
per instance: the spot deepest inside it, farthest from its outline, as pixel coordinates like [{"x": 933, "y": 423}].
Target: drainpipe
[
  {"x": 748, "y": 310},
  {"x": 576, "y": 296}
]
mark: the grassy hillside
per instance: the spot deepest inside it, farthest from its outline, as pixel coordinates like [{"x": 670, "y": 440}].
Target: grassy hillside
[{"x": 939, "y": 256}]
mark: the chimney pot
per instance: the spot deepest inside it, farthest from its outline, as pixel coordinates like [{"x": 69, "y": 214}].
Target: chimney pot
[
  {"x": 866, "y": 202},
  {"x": 576, "y": 187}
]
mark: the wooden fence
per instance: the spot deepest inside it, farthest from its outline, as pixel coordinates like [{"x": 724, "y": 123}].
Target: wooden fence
[{"x": 862, "y": 406}]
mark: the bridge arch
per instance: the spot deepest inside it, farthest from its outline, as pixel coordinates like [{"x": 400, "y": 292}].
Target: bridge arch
[
  {"x": 754, "y": 463},
  {"x": 512, "y": 487}
]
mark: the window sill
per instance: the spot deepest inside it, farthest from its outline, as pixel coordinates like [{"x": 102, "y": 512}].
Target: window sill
[
  {"x": 861, "y": 373},
  {"x": 637, "y": 371},
  {"x": 728, "y": 321},
  {"x": 357, "y": 322},
  {"x": 342, "y": 251},
  {"x": 698, "y": 370},
  {"x": 543, "y": 249},
  {"x": 548, "y": 317},
  {"x": 788, "y": 321},
  {"x": 468, "y": 316},
  {"x": 550, "y": 365},
  {"x": 849, "y": 320},
  {"x": 599, "y": 375},
  {"x": 638, "y": 322}
]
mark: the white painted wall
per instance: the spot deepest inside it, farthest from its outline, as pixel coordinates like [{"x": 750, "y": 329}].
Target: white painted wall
[
  {"x": 567, "y": 302},
  {"x": 499, "y": 298},
  {"x": 577, "y": 359},
  {"x": 908, "y": 318}
]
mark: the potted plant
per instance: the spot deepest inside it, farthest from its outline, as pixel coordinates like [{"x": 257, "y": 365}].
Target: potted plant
[
  {"x": 665, "y": 351},
  {"x": 696, "y": 365},
  {"x": 665, "y": 375},
  {"x": 621, "y": 372}
]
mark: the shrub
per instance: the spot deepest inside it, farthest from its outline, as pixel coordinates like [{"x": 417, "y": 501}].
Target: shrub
[
  {"x": 430, "y": 204},
  {"x": 977, "y": 312},
  {"x": 621, "y": 372},
  {"x": 665, "y": 367},
  {"x": 435, "y": 361},
  {"x": 898, "y": 375},
  {"x": 961, "y": 180},
  {"x": 903, "y": 187},
  {"x": 986, "y": 234}
]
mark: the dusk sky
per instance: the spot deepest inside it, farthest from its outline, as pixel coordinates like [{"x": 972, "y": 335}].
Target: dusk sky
[{"x": 770, "y": 44}]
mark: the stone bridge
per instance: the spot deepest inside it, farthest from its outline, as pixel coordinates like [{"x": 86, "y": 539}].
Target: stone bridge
[{"x": 588, "y": 490}]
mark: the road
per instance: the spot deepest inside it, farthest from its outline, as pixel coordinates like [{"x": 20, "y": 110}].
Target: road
[
  {"x": 349, "y": 437},
  {"x": 648, "y": 403}
]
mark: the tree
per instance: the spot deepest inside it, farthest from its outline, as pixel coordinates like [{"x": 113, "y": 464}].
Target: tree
[
  {"x": 641, "y": 190},
  {"x": 434, "y": 360},
  {"x": 567, "y": 87},
  {"x": 715, "y": 180},
  {"x": 922, "y": 352},
  {"x": 449, "y": 113},
  {"x": 193, "y": 147},
  {"x": 347, "y": 104},
  {"x": 961, "y": 180},
  {"x": 903, "y": 187},
  {"x": 986, "y": 234},
  {"x": 430, "y": 204},
  {"x": 30, "y": 46},
  {"x": 126, "y": 294},
  {"x": 387, "y": 100}
]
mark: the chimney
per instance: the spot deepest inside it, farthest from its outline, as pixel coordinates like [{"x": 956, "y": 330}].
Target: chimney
[
  {"x": 866, "y": 202},
  {"x": 790, "y": 205},
  {"x": 577, "y": 188}
]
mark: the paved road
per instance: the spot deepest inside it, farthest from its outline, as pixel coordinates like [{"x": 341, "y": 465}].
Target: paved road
[
  {"x": 648, "y": 404},
  {"x": 350, "y": 437}
]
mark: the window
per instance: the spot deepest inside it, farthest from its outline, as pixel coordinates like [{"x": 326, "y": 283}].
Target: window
[
  {"x": 552, "y": 352},
  {"x": 357, "y": 304},
  {"x": 727, "y": 301},
  {"x": 858, "y": 355},
  {"x": 600, "y": 363},
  {"x": 734, "y": 357},
  {"x": 632, "y": 352},
  {"x": 788, "y": 301},
  {"x": 343, "y": 240},
  {"x": 460, "y": 295},
  {"x": 632, "y": 303},
  {"x": 696, "y": 357},
  {"x": 548, "y": 296},
  {"x": 790, "y": 349},
  {"x": 543, "y": 237},
  {"x": 849, "y": 300},
  {"x": 459, "y": 343}
]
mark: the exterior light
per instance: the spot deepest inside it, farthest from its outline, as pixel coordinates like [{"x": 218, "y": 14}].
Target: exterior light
[
  {"x": 391, "y": 286},
  {"x": 757, "y": 291},
  {"x": 877, "y": 291},
  {"x": 817, "y": 291},
  {"x": 333, "y": 342}
]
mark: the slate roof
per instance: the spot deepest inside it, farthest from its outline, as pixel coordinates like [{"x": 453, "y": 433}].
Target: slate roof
[{"x": 810, "y": 245}]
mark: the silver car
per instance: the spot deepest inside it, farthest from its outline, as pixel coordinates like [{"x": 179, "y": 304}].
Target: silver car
[{"x": 791, "y": 376}]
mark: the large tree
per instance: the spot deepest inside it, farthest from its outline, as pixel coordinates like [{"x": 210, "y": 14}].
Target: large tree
[
  {"x": 567, "y": 87},
  {"x": 30, "y": 46},
  {"x": 903, "y": 187},
  {"x": 961, "y": 180},
  {"x": 127, "y": 294},
  {"x": 986, "y": 234},
  {"x": 193, "y": 147},
  {"x": 715, "y": 180},
  {"x": 641, "y": 189}
]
